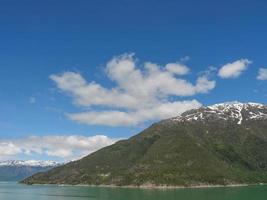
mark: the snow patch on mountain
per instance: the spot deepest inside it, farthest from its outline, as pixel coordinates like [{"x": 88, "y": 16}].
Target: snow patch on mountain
[
  {"x": 235, "y": 111},
  {"x": 30, "y": 163}
]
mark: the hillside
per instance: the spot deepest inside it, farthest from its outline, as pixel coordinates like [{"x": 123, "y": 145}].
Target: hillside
[
  {"x": 16, "y": 170},
  {"x": 219, "y": 144}
]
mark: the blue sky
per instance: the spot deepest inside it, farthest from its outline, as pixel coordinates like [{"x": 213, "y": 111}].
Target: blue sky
[{"x": 42, "y": 39}]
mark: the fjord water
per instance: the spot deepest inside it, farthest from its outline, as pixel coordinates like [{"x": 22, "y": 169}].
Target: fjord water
[{"x": 14, "y": 191}]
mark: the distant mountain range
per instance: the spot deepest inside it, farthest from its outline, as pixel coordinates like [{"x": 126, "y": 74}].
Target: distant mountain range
[
  {"x": 16, "y": 170},
  {"x": 219, "y": 144}
]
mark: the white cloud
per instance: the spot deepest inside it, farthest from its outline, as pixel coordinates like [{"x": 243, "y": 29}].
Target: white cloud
[
  {"x": 123, "y": 118},
  {"x": 137, "y": 89},
  {"x": 8, "y": 149},
  {"x": 234, "y": 69},
  {"x": 66, "y": 147},
  {"x": 177, "y": 68},
  {"x": 262, "y": 74}
]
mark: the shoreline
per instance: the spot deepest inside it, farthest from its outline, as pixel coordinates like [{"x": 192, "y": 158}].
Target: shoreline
[{"x": 160, "y": 187}]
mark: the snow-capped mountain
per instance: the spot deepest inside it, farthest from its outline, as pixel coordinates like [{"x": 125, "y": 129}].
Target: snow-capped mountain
[
  {"x": 15, "y": 170},
  {"x": 30, "y": 163},
  {"x": 230, "y": 111},
  {"x": 215, "y": 145}
]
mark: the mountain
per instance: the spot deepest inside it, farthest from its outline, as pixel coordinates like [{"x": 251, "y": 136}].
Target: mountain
[
  {"x": 219, "y": 144},
  {"x": 15, "y": 170}
]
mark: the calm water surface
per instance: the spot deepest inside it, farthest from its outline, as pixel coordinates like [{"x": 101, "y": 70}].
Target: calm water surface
[{"x": 14, "y": 191}]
